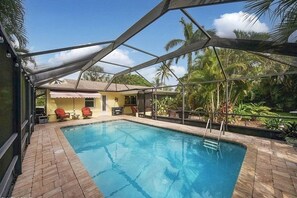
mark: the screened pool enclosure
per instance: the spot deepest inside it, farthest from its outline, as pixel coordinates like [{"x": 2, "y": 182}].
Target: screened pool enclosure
[{"x": 21, "y": 77}]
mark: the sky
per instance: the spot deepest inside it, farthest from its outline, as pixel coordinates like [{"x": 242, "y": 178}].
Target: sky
[{"x": 54, "y": 24}]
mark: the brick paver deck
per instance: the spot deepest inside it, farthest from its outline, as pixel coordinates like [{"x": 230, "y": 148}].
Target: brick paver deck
[{"x": 52, "y": 169}]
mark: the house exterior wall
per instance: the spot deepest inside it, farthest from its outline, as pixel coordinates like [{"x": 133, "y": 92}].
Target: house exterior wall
[{"x": 69, "y": 104}]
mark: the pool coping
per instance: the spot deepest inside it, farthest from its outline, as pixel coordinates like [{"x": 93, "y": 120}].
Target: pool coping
[
  {"x": 245, "y": 176},
  {"x": 269, "y": 166},
  {"x": 237, "y": 188}
]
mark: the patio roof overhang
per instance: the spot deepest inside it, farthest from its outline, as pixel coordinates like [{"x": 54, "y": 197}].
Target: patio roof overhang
[{"x": 64, "y": 94}]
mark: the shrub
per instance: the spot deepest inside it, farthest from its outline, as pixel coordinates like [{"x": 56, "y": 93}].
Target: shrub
[
  {"x": 290, "y": 130},
  {"x": 253, "y": 110},
  {"x": 274, "y": 123}
]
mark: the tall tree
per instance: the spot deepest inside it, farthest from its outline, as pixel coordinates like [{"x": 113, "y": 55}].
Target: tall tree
[
  {"x": 282, "y": 11},
  {"x": 12, "y": 18},
  {"x": 95, "y": 73},
  {"x": 190, "y": 36},
  {"x": 157, "y": 82},
  {"x": 132, "y": 79},
  {"x": 163, "y": 72},
  {"x": 206, "y": 68}
]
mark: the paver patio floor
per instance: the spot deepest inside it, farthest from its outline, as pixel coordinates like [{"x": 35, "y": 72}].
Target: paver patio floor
[{"x": 52, "y": 169}]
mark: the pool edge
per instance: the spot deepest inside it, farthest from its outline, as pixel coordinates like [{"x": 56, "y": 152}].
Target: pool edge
[{"x": 244, "y": 182}]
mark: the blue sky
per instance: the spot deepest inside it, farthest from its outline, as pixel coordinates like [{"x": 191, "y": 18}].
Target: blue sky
[{"x": 60, "y": 23}]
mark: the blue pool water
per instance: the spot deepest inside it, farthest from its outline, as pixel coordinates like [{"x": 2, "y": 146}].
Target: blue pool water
[{"x": 127, "y": 159}]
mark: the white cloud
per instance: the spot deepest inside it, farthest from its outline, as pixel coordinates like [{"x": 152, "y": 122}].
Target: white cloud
[
  {"x": 179, "y": 70},
  {"x": 149, "y": 73},
  {"x": 119, "y": 56},
  {"x": 227, "y": 23},
  {"x": 72, "y": 55}
]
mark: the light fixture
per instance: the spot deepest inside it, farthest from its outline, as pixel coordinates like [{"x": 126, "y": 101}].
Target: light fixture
[
  {"x": 1, "y": 39},
  {"x": 8, "y": 55}
]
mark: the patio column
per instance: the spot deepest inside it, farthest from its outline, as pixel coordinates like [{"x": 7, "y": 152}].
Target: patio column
[
  {"x": 155, "y": 98},
  {"x": 227, "y": 104},
  {"x": 183, "y": 107}
]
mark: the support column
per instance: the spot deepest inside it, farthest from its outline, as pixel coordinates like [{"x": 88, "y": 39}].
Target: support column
[
  {"x": 17, "y": 145},
  {"x": 227, "y": 104},
  {"x": 155, "y": 104},
  {"x": 183, "y": 109}
]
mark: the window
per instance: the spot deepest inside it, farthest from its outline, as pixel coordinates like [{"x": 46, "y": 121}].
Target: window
[
  {"x": 130, "y": 100},
  {"x": 89, "y": 102}
]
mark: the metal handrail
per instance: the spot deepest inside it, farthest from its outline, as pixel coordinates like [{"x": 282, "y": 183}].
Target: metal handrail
[{"x": 206, "y": 128}]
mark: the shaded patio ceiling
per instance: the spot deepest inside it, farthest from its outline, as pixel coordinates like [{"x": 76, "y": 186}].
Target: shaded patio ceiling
[{"x": 40, "y": 77}]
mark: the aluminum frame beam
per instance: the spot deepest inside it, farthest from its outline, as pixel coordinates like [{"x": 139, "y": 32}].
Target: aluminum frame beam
[
  {"x": 273, "y": 59},
  {"x": 140, "y": 50},
  {"x": 240, "y": 44},
  {"x": 63, "y": 49},
  {"x": 196, "y": 23},
  {"x": 178, "y": 4},
  {"x": 149, "y": 18}
]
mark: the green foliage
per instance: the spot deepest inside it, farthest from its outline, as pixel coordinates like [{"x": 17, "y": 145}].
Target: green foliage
[
  {"x": 12, "y": 14},
  {"x": 40, "y": 101},
  {"x": 95, "y": 73},
  {"x": 282, "y": 11},
  {"x": 163, "y": 72},
  {"x": 165, "y": 104},
  {"x": 273, "y": 90},
  {"x": 132, "y": 79},
  {"x": 274, "y": 123},
  {"x": 190, "y": 36},
  {"x": 290, "y": 130},
  {"x": 253, "y": 110}
]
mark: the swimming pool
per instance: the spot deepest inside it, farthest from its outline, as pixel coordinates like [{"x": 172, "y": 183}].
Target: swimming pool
[{"x": 127, "y": 159}]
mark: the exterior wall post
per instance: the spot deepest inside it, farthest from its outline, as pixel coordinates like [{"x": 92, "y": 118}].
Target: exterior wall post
[{"x": 183, "y": 109}]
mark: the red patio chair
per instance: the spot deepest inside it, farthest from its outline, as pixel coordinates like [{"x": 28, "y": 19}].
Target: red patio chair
[
  {"x": 86, "y": 112},
  {"x": 60, "y": 113}
]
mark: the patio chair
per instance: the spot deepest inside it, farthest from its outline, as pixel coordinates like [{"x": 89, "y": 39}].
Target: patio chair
[
  {"x": 86, "y": 112},
  {"x": 61, "y": 115},
  {"x": 134, "y": 110}
]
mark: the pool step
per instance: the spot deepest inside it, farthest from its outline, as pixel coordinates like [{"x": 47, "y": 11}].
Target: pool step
[{"x": 211, "y": 144}]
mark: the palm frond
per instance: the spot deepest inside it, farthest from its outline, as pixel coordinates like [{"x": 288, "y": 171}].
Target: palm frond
[
  {"x": 173, "y": 43},
  {"x": 258, "y": 7},
  {"x": 282, "y": 32},
  {"x": 12, "y": 18}
]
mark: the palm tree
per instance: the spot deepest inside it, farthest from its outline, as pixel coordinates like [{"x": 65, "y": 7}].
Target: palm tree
[
  {"x": 163, "y": 72},
  {"x": 157, "y": 82},
  {"x": 280, "y": 10},
  {"x": 12, "y": 19},
  {"x": 207, "y": 69},
  {"x": 189, "y": 37}
]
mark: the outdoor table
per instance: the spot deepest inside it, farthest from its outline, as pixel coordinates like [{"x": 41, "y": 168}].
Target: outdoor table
[{"x": 75, "y": 117}]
